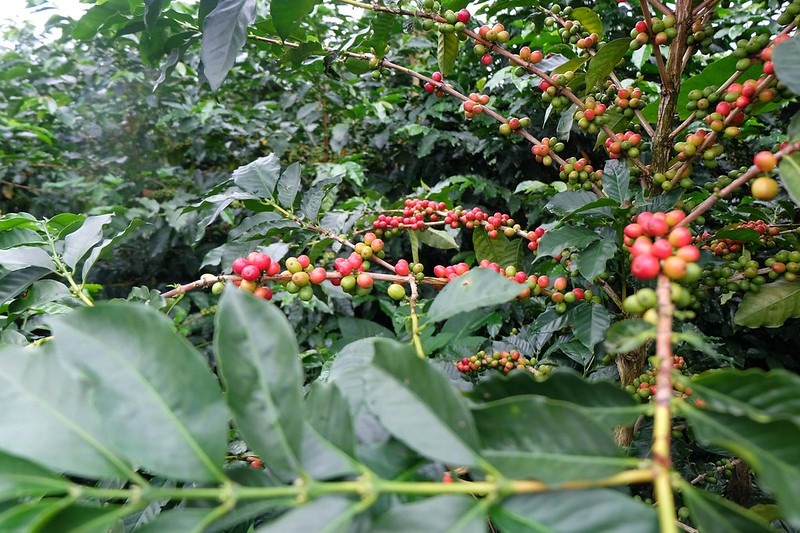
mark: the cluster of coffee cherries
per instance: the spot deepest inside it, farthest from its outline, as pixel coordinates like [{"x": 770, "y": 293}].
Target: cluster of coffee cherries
[
  {"x": 791, "y": 14},
  {"x": 547, "y": 145},
  {"x": 658, "y": 246},
  {"x": 432, "y": 88},
  {"x": 726, "y": 248},
  {"x": 643, "y": 387},
  {"x": 692, "y": 145},
  {"x": 660, "y": 32},
  {"x": 645, "y": 301},
  {"x": 550, "y": 93},
  {"x": 474, "y": 105},
  {"x": 496, "y": 33},
  {"x": 580, "y": 174},
  {"x": 592, "y": 116},
  {"x": 625, "y": 144},
  {"x": 514, "y": 124},
  {"x": 716, "y": 470},
  {"x": 629, "y": 99},
  {"x": 504, "y": 361},
  {"x": 531, "y": 56},
  {"x": 571, "y": 31},
  {"x": 702, "y": 36},
  {"x": 251, "y": 269}
]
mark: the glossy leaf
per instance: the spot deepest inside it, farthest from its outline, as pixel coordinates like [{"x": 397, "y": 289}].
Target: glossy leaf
[
  {"x": 329, "y": 514},
  {"x": 30, "y": 516},
  {"x": 770, "y": 307},
  {"x": 714, "y": 514},
  {"x": 329, "y": 413},
  {"x": 589, "y": 19},
  {"x": 568, "y": 201},
  {"x": 259, "y": 177},
  {"x": 14, "y": 282},
  {"x": 579, "y": 511},
  {"x": 501, "y": 250},
  {"x": 224, "y": 34},
  {"x": 604, "y": 61},
  {"x": 762, "y": 396},
  {"x": 85, "y": 518},
  {"x": 312, "y": 198},
  {"x": 572, "y": 237},
  {"x": 176, "y": 520},
  {"x": 26, "y": 256},
  {"x": 532, "y": 437},
  {"x": 88, "y": 25},
  {"x": 446, "y": 52},
  {"x": 155, "y": 395},
  {"x": 452, "y": 513},
  {"x": 592, "y": 260},
  {"x": 39, "y": 399},
  {"x": 739, "y": 234},
  {"x": 790, "y": 176},
  {"x": 78, "y": 243},
  {"x": 20, "y": 477},
  {"x": 152, "y": 9},
  {"x": 602, "y": 401},
  {"x": 784, "y": 58},
  {"x": 616, "y": 180},
  {"x": 288, "y": 185},
  {"x": 480, "y": 287},
  {"x": 436, "y": 238},
  {"x": 416, "y": 402},
  {"x": 260, "y": 368},
  {"x": 95, "y": 253},
  {"x": 288, "y": 14},
  {"x": 590, "y": 323},
  {"x": 772, "y": 449},
  {"x": 381, "y": 26},
  {"x": 627, "y": 335}
]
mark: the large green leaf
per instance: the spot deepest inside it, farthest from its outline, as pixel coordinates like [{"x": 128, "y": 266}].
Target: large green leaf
[
  {"x": 790, "y": 176},
  {"x": 713, "y": 514},
  {"x": 416, "y": 402},
  {"x": 590, "y": 323},
  {"x": 26, "y": 256},
  {"x": 602, "y": 401},
  {"x": 532, "y": 437},
  {"x": 436, "y": 238},
  {"x": 500, "y": 250},
  {"x": 78, "y": 243},
  {"x": 446, "y": 52},
  {"x": 577, "y": 511},
  {"x": 47, "y": 417},
  {"x": 592, "y": 260},
  {"x": 19, "y": 477},
  {"x": 627, "y": 335},
  {"x": 106, "y": 244},
  {"x": 88, "y": 25},
  {"x": 787, "y": 69},
  {"x": 589, "y": 19},
  {"x": 259, "y": 177},
  {"x": 480, "y": 287},
  {"x": 616, "y": 180},
  {"x": 771, "y": 306},
  {"x": 288, "y": 14},
  {"x": 381, "y": 26},
  {"x": 152, "y": 9},
  {"x": 224, "y": 34},
  {"x": 260, "y": 367},
  {"x": 328, "y": 514},
  {"x": 15, "y": 281},
  {"x": 451, "y": 513},
  {"x": 572, "y": 237},
  {"x": 762, "y": 396},
  {"x": 156, "y": 397},
  {"x": 329, "y": 414},
  {"x": 772, "y": 449},
  {"x": 288, "y": 185},
  {"x": 176, "y": 520},
  {"x": 607, "y": 57},
  {"x": 86, "y": 518},
  {"x": 31, "y": 515},
  {"x": 567, "y": 201}
]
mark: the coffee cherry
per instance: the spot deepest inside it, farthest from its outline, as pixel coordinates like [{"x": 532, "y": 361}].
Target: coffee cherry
[
  {"x": 764, "y": 188},
  {"x": 765, "y": 161},
  {"x": 317, "y": 275},
  {"x": 217, "y": 288},
  {"x": 239, "y": 264},
  {"x": 250, "y": 273},
  {"x": 645, "y": 266},
  {"x": 364, "y": 281},
  {"x": 463, "y": 16},
  {"x": 401, "y": 268},
  {"x": 306, "y": 293},
  {"x": 396, "y": 291},
  {"x": 674, "y": 267},
  {"x": 263, "y": 292},
  {"x": 247, "y": 285}
]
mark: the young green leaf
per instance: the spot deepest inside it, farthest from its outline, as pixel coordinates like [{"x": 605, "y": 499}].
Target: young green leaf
[
  {"x": 480, "y": 287},
  {"x": 447, "y": 51}
]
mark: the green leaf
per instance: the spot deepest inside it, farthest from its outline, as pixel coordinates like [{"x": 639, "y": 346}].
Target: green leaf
[
  {"x": 312, "y": 198},
  {"x": 567, "y": 201},
  {"x": 774, "y": 304},
  {"x": 176, "y": 520},
  {"x": 591, "y": 261},
  {"x": 739, "y": 234},
  {"x": 789, "y": 169},
  {"x": 95, "y": 253},
  {"x": 259, "y": 177},
  {"x": 589, "y": 19},
  {"x": 772, "y": 449},
  {"x": 563, "y": 444},
  {"x": 444, "y": 512},
  {"x": 47, "y": 418},
  {"x": 329, "y": 414},
  {"x": 88, "y": 25},
  {"x": 19, "y": 477},
  {"x": 713, "y": 514},
  {"x": 288, "y": 14},
  {"x": 26, "y": 256},
  {"x": 417, "y": 403},
  {"x": 447, "y": 51},
  {"x": 565, "y": 122},
  {"x": 436, "y": 238},
  {"x": 86, "y": 518},
  {"x": 156, "y": 397},
  {"x": 616, "y": 180},
  {"x": 762, "y": 396},
  {"x": 259, "y": 365},
  {"x": 607, "y": 57},
  {"x": 500, "y": 250},
  {"x": 590, "y": 323},
  {"x": 480, "y": 287},
  {"x": 224, "y": 34},
  {"x": 578, "y": 511},
  {"x": 572, "y": 237},
  {"x": 784, "y": 58},
  {"x": 288, "y": 185},
  {"x": 627, "y": 335},
  {"x": 30, "y": 516},
  {"x": 793, "y": 130},
  {"x": 602, "y": 401},
  {"x": 328, "y": 514},
  {"x": 14, "y": 282},
  {"x": 573, "y": 65},
  {"x": 152, "y": 9},
  {"x": 381, "y": 26}
]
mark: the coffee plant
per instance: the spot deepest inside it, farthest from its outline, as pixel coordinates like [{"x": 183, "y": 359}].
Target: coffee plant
[{"x": 557, "y": 290}]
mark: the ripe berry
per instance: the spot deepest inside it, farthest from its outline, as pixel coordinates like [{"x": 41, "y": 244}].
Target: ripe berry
[
  {"x": 645, "y": 266},
  {"x": 304, "y": 261},
  {"x": 262, "y": 261},
  {"x": 486, "y": 59},
  {"x": 661, "y": 249},
  {"x": 250, "y": 273},
  {"x": 674, "y": 267},
  {"x": 463, "y": 16},
  {"x": 239, "y": 264},
  {"x": 263, "y": 292},
  {"x": 765, "y": 161},
  {"x": 401, "y": 268},
  {"x": 764, "y": 188},
  {"x": 318, "y": 275},
  {"x": 364, "y": 281},
  {"x": 679, "y": 237}
]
